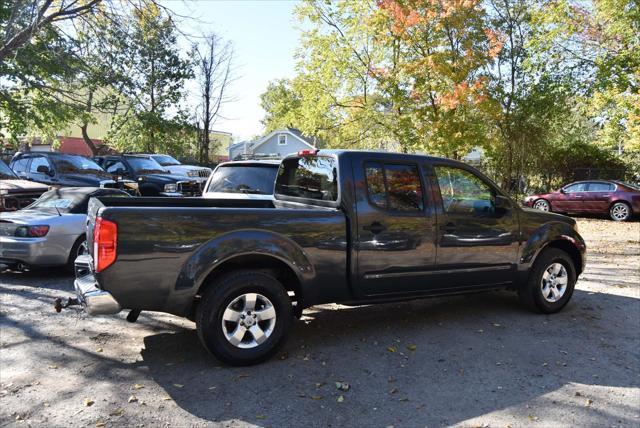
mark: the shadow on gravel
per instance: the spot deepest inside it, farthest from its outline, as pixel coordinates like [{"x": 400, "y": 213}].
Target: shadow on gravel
[{"x": 473, "y": 355}]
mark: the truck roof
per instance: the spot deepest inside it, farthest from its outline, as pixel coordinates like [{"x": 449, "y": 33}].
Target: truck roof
[{"x": 394, "y": 155}]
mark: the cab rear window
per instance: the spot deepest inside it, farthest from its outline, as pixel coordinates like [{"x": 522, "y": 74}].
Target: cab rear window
[{"x": 308, "y": 177}]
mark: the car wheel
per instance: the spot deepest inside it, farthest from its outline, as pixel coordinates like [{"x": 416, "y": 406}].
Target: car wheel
[
  {"x": 244, "y": 317},
  {"x": 542, "y": 205},
  {"x": 550, "y": 284},
  {"x": 79, "y": 248},
  {"x": 620, "y": 211}
]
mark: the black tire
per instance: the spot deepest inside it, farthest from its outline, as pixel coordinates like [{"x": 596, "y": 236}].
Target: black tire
[
  {"x": 221, "y": 294},
  {"x": 620, "y": 211},
  {"x": 530, "y": 293},
  {"x": 74, "y": 252}
]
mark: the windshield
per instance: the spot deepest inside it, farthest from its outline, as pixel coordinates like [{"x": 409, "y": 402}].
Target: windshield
[
  {"x": 69, "y": 164},
  {"x": 145, "y": 165},
  {"x": 6, "y": 173},
  {"x": 64, "y": 201},
  {"x": 71, "y": 199},
  {"x": 165, "y": 160},
  {"x": 254, "y": 179}
]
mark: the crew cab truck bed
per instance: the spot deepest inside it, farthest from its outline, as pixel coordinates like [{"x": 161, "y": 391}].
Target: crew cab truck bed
[{"x": 345, "y": 226}]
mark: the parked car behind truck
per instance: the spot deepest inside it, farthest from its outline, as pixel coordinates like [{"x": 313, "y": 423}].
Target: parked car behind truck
[
  {"x": 50, "y": 231},
  {"x": 152, "y": 178},
  {"x": 620, "y": 201},
  {"x": 248, "y": 179},
  {"x": 16, "y": 193},
  {"x": 348, "y": 227},
  {"x": 63, "y": 169}
]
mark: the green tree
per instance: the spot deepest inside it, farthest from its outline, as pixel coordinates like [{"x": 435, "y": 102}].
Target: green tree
[{"x": 156, "y": 73}]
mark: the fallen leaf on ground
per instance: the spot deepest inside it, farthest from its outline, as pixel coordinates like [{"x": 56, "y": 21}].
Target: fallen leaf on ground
[
  {"x": 132, "y": 399},
  {"x": 259, "y": 416},
  {"x": 316, "y": 397},
  {"x": 412, "y": 347},
  {"x": 391, "y": 349},
  {"x": 117, "y": 412},
  {"x": 137, "y": 386},
  {"x": 100, "y": 424},
  {"x": 99, "y": 350},
  {"x": 340, "y": 399},
  {"x": 53, "y": 366},
  {"x": 88, "y": 402},
  {"x": 178, "y": 385},
  {"x": 588, "y": 402},
  {"x": 166, "y": 398}
]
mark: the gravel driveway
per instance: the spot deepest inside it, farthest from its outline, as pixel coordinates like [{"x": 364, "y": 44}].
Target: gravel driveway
[{"x": 477, "y": 360}]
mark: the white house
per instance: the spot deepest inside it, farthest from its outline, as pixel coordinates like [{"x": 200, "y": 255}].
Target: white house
[{"x": 276, "y": 144}]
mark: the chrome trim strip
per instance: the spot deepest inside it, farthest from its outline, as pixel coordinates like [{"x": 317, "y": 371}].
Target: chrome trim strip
[{"x": 434, "y": 272}]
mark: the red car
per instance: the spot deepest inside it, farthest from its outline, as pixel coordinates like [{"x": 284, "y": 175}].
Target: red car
[{"x": 619, "y": 200}]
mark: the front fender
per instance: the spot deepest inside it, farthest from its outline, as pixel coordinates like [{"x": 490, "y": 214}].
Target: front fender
[
  {"x": 218, "y": 250},
  {"x": 544, "y": 235}
]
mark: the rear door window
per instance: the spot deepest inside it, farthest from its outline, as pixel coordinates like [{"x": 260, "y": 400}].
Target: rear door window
[
  {"x": 308, "y": 177},
  {"x": 395, "y": 187},
  {"x": 601, "y": 187}
]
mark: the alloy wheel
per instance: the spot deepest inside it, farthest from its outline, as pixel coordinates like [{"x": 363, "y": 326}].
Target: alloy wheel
[
  {"x": 83, "y": 249},
  {"x": 248, "y": 320},
  {"x": 541, "y": 205},
  {"x": 554, "y": 282},
  {"x": 620, "y": 212}
]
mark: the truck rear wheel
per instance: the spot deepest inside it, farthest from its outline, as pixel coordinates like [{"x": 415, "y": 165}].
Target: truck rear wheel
[
  {"x": 244, "y": 317},
  {"x": 550, "y": 284}
]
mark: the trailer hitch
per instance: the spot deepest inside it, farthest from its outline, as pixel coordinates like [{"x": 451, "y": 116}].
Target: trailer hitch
[{"x": 59, "y": 306}]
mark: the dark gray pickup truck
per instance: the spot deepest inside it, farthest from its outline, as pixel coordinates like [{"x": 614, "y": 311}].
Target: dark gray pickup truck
[{"x": 348, "y": 227}]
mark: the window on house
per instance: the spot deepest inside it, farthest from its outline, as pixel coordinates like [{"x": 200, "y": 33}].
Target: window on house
[{"x": 282, "y": 140}]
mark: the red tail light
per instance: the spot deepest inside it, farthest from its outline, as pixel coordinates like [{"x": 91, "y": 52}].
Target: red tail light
[
  {"x": 32, "y": 231},
  {"x": 105, "y": 238},
  {"x": 308, "y": 152}
]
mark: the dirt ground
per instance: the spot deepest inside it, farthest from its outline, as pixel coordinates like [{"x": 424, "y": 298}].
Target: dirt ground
[{"x": 472, "y": 361}]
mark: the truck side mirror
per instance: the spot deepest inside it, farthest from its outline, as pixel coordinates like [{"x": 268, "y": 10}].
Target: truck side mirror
[{"x": 502, "y": 204}]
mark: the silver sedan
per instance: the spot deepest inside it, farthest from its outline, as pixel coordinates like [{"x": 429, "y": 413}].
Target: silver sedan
[{"x": 51, "y": 231}]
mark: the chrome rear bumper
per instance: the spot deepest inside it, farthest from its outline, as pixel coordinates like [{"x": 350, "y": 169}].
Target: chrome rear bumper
[{"x": 96, "y": 301}]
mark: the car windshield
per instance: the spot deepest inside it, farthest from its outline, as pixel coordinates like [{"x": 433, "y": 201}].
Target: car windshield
[
  {"x": 69, "y": 164},
  {"x": 63, "y": 201},
  {"x": 6, "y": 173},
  {"x": 253, "y": 179},
  {"x": 165, "y": 160},
  {"x": 71, "y": 199},
  {"x": 145, "y": 165}
]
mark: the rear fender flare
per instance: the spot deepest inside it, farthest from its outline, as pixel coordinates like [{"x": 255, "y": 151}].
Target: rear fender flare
[{"x": 222, "y": 248}]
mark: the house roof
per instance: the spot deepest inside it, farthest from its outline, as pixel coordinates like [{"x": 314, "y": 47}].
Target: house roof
[{"x": 291, "y": 131}]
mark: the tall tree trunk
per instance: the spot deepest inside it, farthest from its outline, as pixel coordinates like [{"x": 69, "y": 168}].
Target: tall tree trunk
[{"x": 85, "y": 135}]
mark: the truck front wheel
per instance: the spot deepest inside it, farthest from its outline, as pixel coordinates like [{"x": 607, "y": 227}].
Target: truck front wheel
[
  {"x": 244, "y": 317},
  {"x": 551, "y": 282}
]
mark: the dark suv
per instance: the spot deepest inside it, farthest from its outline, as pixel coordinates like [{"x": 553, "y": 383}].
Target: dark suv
[
  {"x": 63, "y": 169},
  {"x": 152, "y": 178}
]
